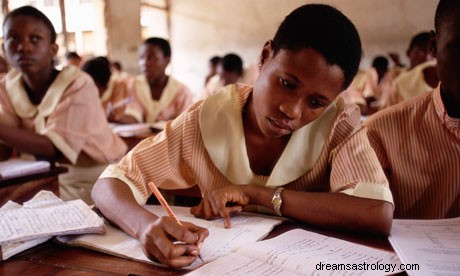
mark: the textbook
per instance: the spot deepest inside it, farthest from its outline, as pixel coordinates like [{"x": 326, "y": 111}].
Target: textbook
[
  {"x": 427, "y": 247},
  {"x": 40, "y": 219},
  {"x": 18, "y": 167},
  {"x": 246, "y": 228},
  {"x": 301, "y": 252}
]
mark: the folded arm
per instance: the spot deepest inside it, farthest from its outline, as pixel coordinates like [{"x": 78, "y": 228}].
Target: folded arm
[
  {"x": 28, "y": 141},
  {"x": 329, "y": 210}
]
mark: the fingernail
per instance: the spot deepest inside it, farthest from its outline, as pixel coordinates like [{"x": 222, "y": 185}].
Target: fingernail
[{"x": 194, "y": 252}]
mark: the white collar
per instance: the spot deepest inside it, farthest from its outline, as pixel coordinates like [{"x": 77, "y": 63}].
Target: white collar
[{"x": 221, "y": 127}]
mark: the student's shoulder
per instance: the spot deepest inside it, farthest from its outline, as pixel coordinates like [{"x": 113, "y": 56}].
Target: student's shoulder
[{"x": 402, "y": 112}]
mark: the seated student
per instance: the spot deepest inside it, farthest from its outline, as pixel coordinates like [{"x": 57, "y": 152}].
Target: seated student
[
  {"x": 213, "y": 64},
  {"x": 418, "y": 141},
  {"x": 420, "y": 77},
  {"x": 245, "y": 144},
  {"x": 230, "y": 71},
  {"x": 72, "y": 58},
  {"x": 112, "y": 90},
  {"x": 51, "y": 114},
  {"x": 156, "y": 96}
]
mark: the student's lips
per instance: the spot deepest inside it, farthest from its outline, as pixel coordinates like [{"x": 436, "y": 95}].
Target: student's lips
[
  {"x": 25, "y": 61},
  {"x": 280, "y": 127}
]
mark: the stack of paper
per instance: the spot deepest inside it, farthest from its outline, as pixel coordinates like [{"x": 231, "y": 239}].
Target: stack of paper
[{"x": 41, "y": 218}]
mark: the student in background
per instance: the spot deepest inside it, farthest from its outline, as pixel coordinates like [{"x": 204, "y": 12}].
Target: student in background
[
  {"x": 230, "y": 71},
  {"x": 72, "y": 58},
  {"x": 156, "y": 95},
  {"x": 418, "y": 141},
  {"x": 287, "y": 146},
  {"x": 117, "y": 70},
  {"x": 420, "y": 77},
  {"x": 50, "y": 114},
  {"x": 213, "y": 64},
  {"x": 112, "y": 90}
]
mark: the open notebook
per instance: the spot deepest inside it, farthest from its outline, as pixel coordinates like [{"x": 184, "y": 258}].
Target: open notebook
[
  {"x": 246, "y": 228},
  {"x": 41, "y": 218}
]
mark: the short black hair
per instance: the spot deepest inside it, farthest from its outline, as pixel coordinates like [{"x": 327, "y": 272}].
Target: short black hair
[
  {"x": 160, "y": 42},
  {"x": 445, "y": 10},
  {"x": 99, "y": 69},
  {"x": 325, "y": 29},
  {"x": 215, "y": 60},
  {"x": 35, "y": 13},
  {"x": 117, "y": 65},
  {"x": 232, "y": 63},
  {"x": 380, "y": 63},
  {"x": 421, "y": 40},
  {"x": 69, "y": 55}
]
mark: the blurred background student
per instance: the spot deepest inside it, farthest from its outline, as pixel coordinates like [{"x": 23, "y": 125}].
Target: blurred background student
[{"x": 156, "y": 95}]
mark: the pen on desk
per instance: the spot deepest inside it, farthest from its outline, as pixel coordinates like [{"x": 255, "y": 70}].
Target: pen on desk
[{"x": 166, "y": 207}]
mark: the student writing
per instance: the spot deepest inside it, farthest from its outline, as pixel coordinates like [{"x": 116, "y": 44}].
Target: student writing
[{"x": 244, "y": 144}]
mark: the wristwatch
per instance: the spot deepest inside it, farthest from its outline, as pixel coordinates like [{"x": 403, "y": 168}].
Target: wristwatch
[{"x": 277, "y": 201}]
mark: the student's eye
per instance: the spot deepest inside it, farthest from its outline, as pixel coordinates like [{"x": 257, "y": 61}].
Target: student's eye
[
  {"x": 286, "y": 83},
  {"x": 35, "y": 38},
  {"x": 315, "y": 103},
  {"x": 12, "y": 38}
]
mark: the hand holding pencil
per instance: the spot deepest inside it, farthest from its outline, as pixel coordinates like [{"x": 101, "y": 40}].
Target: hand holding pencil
[{"x": 201, "y": 235}]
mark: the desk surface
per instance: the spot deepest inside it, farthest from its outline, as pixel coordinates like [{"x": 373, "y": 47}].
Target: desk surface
[
  {"x": 23, "y": 188},
  {"x": 52, "y": 258}
]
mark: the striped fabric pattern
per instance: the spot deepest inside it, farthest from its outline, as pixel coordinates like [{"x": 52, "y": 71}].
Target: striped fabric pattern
[
  {"x": 418, "y": 145},
  {"x": 176, "y": 158}
]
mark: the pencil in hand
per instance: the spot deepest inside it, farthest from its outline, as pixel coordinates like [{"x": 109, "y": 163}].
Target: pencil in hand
[{"x": 166, "y": 207}]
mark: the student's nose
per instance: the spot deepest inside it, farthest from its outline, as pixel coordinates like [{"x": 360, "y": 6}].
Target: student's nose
[
  {"x": 292, "y": 109},
  {"x": 24, "y": 45}
]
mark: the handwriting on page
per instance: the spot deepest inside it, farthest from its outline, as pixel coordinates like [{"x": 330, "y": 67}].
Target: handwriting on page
[
  {"x": 297, "y": 252},
  {"x": 433, "y": 245},
  {"x": 64, "y": 218}
]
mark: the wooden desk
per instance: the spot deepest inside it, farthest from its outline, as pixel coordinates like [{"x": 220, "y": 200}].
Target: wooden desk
[
  {"x": 23, "y": 188},
  {"x": 51, "y": 258}
]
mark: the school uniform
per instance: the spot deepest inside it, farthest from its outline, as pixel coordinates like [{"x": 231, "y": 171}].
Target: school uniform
[
  {"x": 175, "y": 98},
  {"x": 407, "y": 85},
  {"x": 205, "y": 146},
  {"x": 70, "y": 115},
  {"x": 418, "y": 145}
]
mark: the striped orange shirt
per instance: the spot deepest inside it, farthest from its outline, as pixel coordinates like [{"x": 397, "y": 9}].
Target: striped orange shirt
[
  {"x": 418, "y": 145},
  {"x": 178, "y": 158}
]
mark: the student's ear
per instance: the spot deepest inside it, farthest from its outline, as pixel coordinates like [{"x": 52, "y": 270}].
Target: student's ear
[
  {"x": 266, "y": 54},
  {"x": 433, "y": 44},
  {"x": 54, "y": 49}
]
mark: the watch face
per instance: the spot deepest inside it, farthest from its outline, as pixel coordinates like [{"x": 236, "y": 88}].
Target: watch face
[{"x": 277, "y": 201}]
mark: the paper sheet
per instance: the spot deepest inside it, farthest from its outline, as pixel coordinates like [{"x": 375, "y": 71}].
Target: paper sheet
[
  {"x": 433, "y": 245},
  {"x": 301, "y": 252},
  {"x": 246, "y": 228}
]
